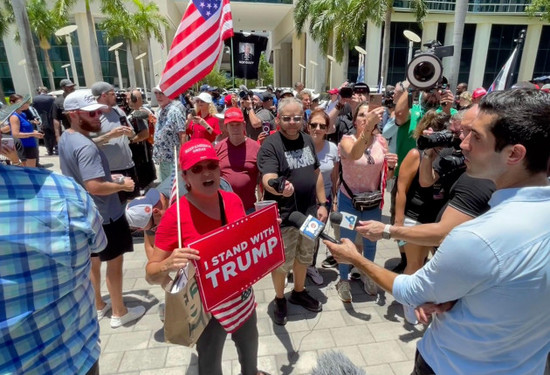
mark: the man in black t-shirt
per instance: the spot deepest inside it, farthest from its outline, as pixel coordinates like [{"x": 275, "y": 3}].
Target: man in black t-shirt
[{"x": 287, "y": 159}]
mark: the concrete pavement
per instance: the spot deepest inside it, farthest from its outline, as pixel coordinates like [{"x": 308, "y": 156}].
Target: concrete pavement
[{"x": 371, "y": 331}]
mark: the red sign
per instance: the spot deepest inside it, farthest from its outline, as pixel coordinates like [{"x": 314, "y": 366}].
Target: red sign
[{"x": 238, "y": 255}]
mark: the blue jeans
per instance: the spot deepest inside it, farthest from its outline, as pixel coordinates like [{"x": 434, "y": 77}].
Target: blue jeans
[{"x": 369, "y": 247}]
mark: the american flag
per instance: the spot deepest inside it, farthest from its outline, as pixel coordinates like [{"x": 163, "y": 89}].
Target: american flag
[{"x": 197, "y": 44}]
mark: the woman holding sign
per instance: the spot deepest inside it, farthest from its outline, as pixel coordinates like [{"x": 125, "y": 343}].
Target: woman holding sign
[{"x": 204, "y": 208}]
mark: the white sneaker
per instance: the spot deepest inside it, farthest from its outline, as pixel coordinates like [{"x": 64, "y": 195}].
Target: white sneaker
[
  {"x": 132, "y": 314},
  {"x": 314, "y": 275},
  {"x": 369, "y": 286},
  {"x": 408, "y": 313},
  {"x": 101, "y": 313}
]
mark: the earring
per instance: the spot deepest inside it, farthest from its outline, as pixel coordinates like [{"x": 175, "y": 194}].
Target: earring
[{"x": 188, "y": 187}]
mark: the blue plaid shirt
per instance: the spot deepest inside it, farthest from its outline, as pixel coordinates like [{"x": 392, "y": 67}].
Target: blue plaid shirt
[{"x": 49, "y": 225}]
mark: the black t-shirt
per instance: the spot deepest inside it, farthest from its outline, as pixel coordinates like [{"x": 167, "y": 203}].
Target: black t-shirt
[
  {"x": 343, "y": 125},
  {"x": 470, "y": 196},
  {"x": 59, "y": 109},
  {"x": 422, "y": 204},
  {"x": 297, "y": 161}
]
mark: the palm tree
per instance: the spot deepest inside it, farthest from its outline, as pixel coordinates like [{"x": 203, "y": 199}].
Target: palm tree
[
  {"x": 150, "y": 21},
  {"x": 6, "y": 19},
  {"x": 344, "y": 21},
  {"x": 44, "y": 22},
  {"x": 23, "y": 26},
  {"x": 147, "y": 21}
]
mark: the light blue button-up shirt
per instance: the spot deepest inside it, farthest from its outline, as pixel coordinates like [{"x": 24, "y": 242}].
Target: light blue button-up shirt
[{"x": 498, "y": 268}]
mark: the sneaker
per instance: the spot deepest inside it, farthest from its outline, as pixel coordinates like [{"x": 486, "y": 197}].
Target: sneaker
[
  {"x": 162, "y": 308},
  {"x": 132, "y": 314},
  {"x": 280, "y": 311},
  {"x": 369, "y": 286},
  {"x": 101, "y": 313},
  {"x": 344, "y": 291},
  {"x": 314, "y": 275},
  {"x": 305, "y": 300},
  {"x": 330, "y": 262},
  {"x": 354, "y": 274},
  {"x": 410, "y": 316}
]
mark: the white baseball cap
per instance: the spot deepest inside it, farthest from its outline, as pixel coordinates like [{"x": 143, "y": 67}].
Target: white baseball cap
[
  {"x": 205, "y": 97},
  {"x": 140, "y": 210},
  {"x": 83, "y": 100}
]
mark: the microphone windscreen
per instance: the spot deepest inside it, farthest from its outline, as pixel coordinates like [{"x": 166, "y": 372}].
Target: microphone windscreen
[
  {"x": 336, "y": 363},
  {"x": 336, "y": 218},
  {"x": 297, "y": 219}
]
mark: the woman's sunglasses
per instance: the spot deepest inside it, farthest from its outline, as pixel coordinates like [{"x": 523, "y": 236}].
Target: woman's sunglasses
[
  {"x": 196, "y": 169},
  {"x": 315, "y": 125}
]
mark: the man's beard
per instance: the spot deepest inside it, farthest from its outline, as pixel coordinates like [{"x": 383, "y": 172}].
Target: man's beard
[
  {"x": 430, "y": 102},
  {"x": 88, "y": 126}
]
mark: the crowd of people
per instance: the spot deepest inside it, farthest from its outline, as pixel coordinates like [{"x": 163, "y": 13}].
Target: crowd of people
[{"x": 460, "y": 168}]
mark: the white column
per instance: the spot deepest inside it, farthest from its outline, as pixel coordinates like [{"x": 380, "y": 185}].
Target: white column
[
  {"x": 82, "y": 32},
  {"x": 447, "y": 42},
  {"x": 429, "y": 32},
  {"x": 530, "y": 50},
  {"x": 372, "y": 46},
  {"x": 479, "y": 55}
]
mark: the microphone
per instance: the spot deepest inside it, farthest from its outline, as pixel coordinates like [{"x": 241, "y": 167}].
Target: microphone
[
  {"x": 278, "y": 184},
  {"x": 344, "y": 220},
  {"x": 310, "y": 227}
]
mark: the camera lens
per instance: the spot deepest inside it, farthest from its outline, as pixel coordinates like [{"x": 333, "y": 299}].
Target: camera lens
[{"x": 424, "y": 71}]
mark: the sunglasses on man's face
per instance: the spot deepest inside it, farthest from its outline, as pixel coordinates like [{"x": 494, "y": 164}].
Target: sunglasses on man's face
[
  {"x": 315, "y": 125},
  {"x": 92, "y": 113},
  {"x": 196, "y": 169},
  {"x": 295, "y": 118}
]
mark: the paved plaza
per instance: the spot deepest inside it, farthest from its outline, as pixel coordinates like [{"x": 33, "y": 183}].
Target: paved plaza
[{"x": 370, "y": 331}]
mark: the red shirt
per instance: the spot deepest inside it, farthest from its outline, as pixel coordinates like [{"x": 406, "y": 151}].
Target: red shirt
[
  {"x": 238, "y": 165},
  {"x": 233, "y": 313},
  {"x": 197, "y": 131}
]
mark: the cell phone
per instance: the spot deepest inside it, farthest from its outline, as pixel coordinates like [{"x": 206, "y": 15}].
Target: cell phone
[
  {"x": 8, "y": 142},
  {"x": 123, "y": 121},
  {"x": 346, "y": 92},
  {"x": 266, "y": 127},
  {"x": 375, "y": 101},
  {"x": 193, "y": 112}
]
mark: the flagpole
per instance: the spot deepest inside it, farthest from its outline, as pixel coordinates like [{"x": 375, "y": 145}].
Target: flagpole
[
  {"x": 519, "y": 43},
  {"x": 176, "y": 179},
  {"x": 232, "y": 64}
]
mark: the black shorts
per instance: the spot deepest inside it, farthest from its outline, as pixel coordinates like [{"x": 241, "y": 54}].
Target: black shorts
[
  {"x": 124, "y": 196},
  {"x": 119, "y": 240},
  {"x": 30, "y": 152}
]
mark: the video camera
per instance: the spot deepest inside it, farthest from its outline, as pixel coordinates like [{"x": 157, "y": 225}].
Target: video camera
[
  {"x": 387, "y": 99},
  {"x": 425, "y": 71},
  {"x": 444, "y": 138}
]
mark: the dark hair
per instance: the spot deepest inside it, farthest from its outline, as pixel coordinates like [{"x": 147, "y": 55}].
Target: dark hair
[
  {"x": 431, "y": 119},
  {"x": 522, "y": 117},
  {"x": 14, "y": 98},
  {"x": 318, "y": 112}
]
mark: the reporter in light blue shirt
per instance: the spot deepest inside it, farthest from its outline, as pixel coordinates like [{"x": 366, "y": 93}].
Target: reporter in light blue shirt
[{"x": 496, "y": 268}]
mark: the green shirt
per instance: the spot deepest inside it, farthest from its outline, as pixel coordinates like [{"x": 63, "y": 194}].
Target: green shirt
[{"x": 405, "y": 141}]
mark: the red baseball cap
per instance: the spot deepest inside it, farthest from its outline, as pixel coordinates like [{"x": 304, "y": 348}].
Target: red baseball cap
[
  {"x": 479, "y": 92},
  {"x": 233, "y": 115},
  {"x": 195, "y": 151},
  {"x": 334, "y": 91},
  {"x": 227, "y": 100}
]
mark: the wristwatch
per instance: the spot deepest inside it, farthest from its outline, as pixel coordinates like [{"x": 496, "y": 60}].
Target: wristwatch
[
  {"x": 325, "y": 204},
  {"x": 386, "y": 233}
]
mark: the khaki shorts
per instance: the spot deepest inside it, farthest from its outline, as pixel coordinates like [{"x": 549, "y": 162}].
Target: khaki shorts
[{"x": 297, "y": 247}]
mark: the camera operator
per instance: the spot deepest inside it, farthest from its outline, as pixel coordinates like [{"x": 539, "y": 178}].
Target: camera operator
[
  {"x": 341, "y": 116},
  {"x": 407, "y": 117},
  {"x": 253, "y": 122},
  {"x": 467, "y": 199}
]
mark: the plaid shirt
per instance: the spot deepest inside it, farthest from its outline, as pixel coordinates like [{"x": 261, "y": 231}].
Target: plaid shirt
[{"x": 48, "y": 322}]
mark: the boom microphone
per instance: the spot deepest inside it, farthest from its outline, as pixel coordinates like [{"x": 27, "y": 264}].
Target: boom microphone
[{"x": 310, "y": 227}]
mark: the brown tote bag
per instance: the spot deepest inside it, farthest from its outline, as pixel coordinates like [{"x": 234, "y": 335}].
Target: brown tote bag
[{"x": 185, "y": 318}]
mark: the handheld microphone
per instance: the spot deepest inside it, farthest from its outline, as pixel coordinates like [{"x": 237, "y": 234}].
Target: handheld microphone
[
  {"x": 344, "y": 220},
  {"x": 309, "y": 227},
  {"x": 278, "y": 184}
]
